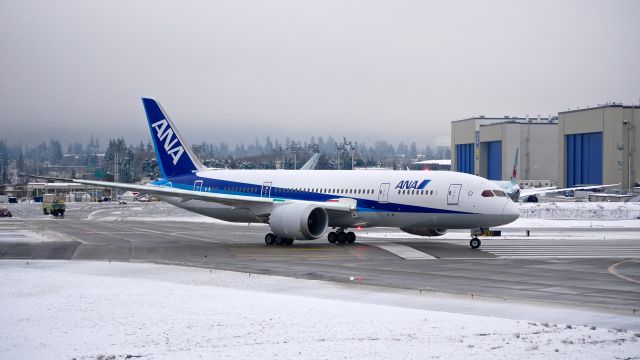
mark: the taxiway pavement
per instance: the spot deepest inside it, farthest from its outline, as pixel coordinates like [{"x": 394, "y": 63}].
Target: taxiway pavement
[{"x": 598, "y": 269}]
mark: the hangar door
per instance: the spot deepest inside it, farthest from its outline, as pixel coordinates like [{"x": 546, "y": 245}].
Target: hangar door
[
  {"x": 464, "y": 158},
  {"x": 584, "y": 158},
  {"x": 494, "y": 160}
]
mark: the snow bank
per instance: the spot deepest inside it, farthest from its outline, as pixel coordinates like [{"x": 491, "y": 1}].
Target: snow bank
[
  {"x": 84, "y": 310},
  {"x": 580, "y": 210}
]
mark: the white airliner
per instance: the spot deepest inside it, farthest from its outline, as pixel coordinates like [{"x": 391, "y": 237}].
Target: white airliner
[{"x": 305, "y": 204}]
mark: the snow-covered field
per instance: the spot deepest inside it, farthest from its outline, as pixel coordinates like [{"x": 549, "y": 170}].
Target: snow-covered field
[
  {"x": 580, "y": 210},
  {"x": 85, "y": 310}
]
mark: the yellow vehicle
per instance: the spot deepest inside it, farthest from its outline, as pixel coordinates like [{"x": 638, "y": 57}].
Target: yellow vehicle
[{"x": 52, "y": 205}]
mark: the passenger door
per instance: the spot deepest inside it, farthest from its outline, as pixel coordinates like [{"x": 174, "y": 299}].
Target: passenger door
[
  {"x": 454, "y": 194},
  {"x": 383, "y": 194},
  {"x": 197, "y": 185},
  {"x": 266, "y": 189}
]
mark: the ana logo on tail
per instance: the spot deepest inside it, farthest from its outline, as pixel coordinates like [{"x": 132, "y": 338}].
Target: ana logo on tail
[{"x": 164, "y": 132}]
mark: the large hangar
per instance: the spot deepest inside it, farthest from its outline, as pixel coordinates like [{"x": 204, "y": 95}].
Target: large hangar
[
  {"x": 493, "y": 147},
  {"x": 597, "y": 145}
]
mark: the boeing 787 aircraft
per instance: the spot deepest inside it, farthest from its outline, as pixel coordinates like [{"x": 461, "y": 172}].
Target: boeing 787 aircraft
[{"x": 305, "y": 204}]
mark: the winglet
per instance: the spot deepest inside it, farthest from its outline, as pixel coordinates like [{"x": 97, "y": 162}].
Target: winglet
[{"x": 174, "y": 156}]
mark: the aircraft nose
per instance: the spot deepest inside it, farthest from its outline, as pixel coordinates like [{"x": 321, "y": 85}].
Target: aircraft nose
[{"x": 510, "y": 212}]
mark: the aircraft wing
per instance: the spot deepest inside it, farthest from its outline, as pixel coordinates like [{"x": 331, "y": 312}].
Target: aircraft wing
[
  {"x": 537, "y": 191},
  {"x": 224, "y": 199}
]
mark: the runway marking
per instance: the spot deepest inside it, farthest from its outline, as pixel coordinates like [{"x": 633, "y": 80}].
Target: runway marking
[
  {"x": 612, "y": 270},
  {"x": 190, "y": 237},
  {"x": 403, "y": 251},
  {"x": 561, "y": 251}
]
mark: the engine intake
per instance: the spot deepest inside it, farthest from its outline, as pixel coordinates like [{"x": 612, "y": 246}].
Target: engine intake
[
  {"x": 423, "y": 231},
  {"x": 299, "y": 221}
]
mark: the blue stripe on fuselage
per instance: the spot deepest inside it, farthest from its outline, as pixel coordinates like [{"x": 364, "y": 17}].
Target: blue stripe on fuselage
[{"x": 218, "y": 186}]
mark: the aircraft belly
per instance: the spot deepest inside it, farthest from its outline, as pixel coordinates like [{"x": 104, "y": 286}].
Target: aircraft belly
[{"x": 436, "y": 220}]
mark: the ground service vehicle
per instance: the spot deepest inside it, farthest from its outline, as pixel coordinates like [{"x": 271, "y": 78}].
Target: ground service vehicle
[
  {"x": 53, "y": 206},
  {"x": 4, "y": 212}
]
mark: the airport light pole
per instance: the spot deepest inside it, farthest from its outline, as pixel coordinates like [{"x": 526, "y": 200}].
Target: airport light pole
[
  {"x": 314, "y": 148},
  {"x": 352, "y": 146},
  {"x": 295, "y": 148},
  {"x": 281, "y": 151},
  {"x": 339, "y": 151}
]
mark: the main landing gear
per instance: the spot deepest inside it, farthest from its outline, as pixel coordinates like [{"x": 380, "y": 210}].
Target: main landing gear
[
  {"x": 475, "y": 243},
  {"x": 341, "y": 237},
  {"x": 273, "y": 239}
]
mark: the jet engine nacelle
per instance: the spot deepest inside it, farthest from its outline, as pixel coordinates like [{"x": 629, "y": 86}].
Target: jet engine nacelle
[
  {"x": 299, "y": 221},
  {"x": 423, "y": 231}
]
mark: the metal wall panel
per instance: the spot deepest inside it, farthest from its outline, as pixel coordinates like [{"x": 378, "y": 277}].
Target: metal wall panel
[
  {"x": 494, "y": 160},
  {"x": 584, "y": 158},
  {"x": 464, "y": 158}
]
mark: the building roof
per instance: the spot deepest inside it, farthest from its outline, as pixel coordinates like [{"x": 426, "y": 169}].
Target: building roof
[
  {"x": 602, "y": 106},
  {"x": 511, "y": 119}
]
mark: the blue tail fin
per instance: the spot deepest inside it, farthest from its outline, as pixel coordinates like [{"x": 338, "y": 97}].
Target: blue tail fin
[{"x": 174, "y": 156}]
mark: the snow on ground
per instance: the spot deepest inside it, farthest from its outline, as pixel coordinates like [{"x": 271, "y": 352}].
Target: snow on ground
[
  {"x": 580, "y": 210},
  {"x": 528, "y": 223},
  {"x": 84, "y": 310}
]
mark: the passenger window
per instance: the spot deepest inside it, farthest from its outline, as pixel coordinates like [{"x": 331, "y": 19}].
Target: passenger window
[
  {"x": 431, "y": 192},
  {"x": 487, "y": 193}
]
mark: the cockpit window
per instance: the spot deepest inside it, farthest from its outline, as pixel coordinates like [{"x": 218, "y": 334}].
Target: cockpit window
[
  {"x": 487, "y": 193},
  {"x": 499, "y": 193}
]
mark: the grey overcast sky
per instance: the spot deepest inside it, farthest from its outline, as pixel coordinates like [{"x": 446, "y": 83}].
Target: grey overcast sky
[{"x": 236, "y": 70}]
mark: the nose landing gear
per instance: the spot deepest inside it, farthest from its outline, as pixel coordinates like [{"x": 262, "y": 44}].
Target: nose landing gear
[{"x": 475, "y": 242}]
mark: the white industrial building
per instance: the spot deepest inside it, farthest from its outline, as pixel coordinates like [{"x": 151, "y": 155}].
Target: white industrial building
[{"x": 494, "y": 147}]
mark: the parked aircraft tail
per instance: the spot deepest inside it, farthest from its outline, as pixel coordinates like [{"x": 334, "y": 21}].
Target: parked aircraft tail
[{"x": 514, "y": 172}]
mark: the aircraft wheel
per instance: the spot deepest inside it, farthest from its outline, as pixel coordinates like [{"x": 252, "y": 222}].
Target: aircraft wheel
[
  {"x": 332, "y": 237},
  {"x": 341, "y": 237},
  {"x": 475, "y": 243},
  {"x": 351, "y": 237},
  {"x": 279, "y": 240},
  {"x": 269, "y": 239},
  {"x": 289, "y": 242}
]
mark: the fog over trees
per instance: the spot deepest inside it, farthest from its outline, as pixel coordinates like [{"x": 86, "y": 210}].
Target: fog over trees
[{"x": 117, "y": 160}]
